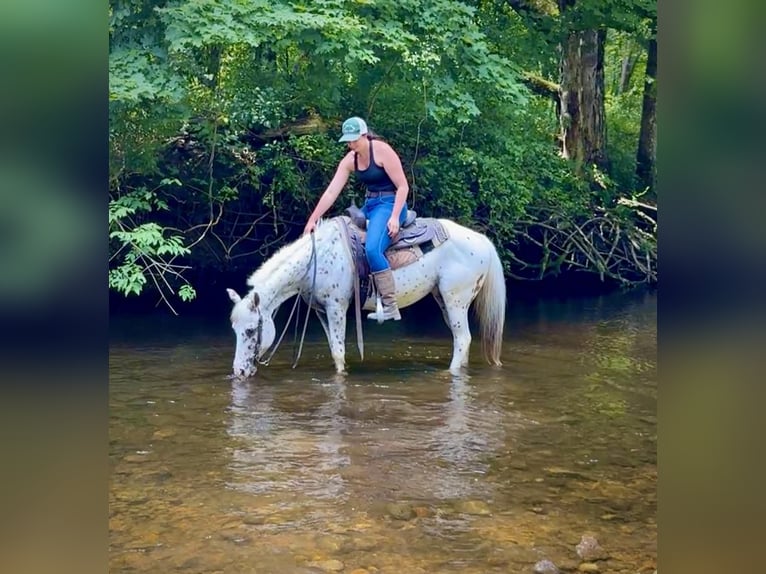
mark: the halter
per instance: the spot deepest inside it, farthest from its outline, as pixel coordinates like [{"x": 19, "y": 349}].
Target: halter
[{"x": 259, "y": 328}]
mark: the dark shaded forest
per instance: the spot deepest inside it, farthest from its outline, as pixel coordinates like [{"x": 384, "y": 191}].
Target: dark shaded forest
[{"x": 533, "y": 122}]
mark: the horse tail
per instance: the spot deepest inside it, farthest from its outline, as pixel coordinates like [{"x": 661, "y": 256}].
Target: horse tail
[{"x": 490, "y": 308}]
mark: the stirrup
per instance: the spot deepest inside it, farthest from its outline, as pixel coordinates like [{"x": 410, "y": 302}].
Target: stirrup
[
  {"x": 382, "y": 313},
  {"x": 387, "y": 315}
]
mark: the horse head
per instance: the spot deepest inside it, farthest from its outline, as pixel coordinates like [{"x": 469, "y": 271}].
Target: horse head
[{"x": 255, "y": 332}]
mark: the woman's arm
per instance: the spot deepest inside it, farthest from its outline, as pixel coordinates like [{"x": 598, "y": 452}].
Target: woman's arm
[
  {"x": 332, "y": 192},
  {"x": 393, "y": 166}
]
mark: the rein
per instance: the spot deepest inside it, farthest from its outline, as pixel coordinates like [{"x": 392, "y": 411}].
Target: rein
[
  {"x": 275, "y": 346},
  {"x": 313, "y": 259}
]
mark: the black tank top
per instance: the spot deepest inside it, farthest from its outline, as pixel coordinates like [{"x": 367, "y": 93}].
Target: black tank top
[{"x": 374, "y": 177}]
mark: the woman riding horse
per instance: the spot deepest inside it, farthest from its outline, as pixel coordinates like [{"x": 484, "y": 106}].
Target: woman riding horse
[{"x": 378, "y": 166}]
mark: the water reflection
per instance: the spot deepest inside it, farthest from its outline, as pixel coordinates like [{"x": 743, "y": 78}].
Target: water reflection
[
  {"x": 364, "y": 442},
  {"x": 466, "y": 438},
  {"x": 286, "y": 446},
  {"x": 302, "y": 470}
]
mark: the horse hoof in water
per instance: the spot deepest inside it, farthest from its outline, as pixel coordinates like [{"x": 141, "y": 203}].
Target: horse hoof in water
[{"x": 242, "y": 375}]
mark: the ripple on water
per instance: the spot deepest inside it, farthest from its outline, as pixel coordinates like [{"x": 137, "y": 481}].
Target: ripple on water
[{"x": 397, "y": 467}]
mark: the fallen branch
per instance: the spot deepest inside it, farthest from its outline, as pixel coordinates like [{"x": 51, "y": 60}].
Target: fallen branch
[{"x": 611, "y": 244}]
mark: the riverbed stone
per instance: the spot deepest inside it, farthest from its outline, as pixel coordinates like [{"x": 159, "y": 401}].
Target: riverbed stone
[
  {"x": 591, "y": 567},
  {"x": 254, "y": 519},
  {"x": 567, "y": 564},
  {"x": 163, "y": 433},
  {"x": 520, "y": 558},
  {"x": 545, "y": 567},
  {"x": 400, "y": 511},
  {"x": 473, "y": 507},
  {"x": 135, "y": 458},
  {"x": 332, "y": 543},
  {"x": 328, "y": 565},
  {"x": 589, "y": 549},
  {"x": 565, "y": 473},
  {"x": 365, "y": 542},
  {"x": 422, "y": 511}
]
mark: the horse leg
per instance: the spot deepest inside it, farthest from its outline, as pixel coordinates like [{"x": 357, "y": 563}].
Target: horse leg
[
  {"x": 456, "y": 305},
  {"x": 335, "y": 329},
  {"x": 322, "y": 316},
  {"x": 438, "y": 296}
]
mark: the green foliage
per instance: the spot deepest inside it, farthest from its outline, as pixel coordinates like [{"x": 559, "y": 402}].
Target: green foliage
[
  {"x": 136, "y": 77},
  {"x": 623, "y": 108},
  {"x": 224, "y": 119},
  {"x": 149, "y": 239},
  {"x": 128, "y": 278},
  {"x": 143, "y": 251},
  {"x": 623, "y": 113},
  {"x": 186, "y": 293}
]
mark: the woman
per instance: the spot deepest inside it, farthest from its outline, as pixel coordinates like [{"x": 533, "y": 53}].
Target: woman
[{"x": 376, "y": 164}]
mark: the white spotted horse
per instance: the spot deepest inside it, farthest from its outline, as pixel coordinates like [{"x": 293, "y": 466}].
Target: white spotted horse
[{"x": 453, "y": 263}]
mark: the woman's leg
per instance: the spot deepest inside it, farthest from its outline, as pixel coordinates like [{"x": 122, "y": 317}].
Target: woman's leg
[
  {"x": 378, "y": 214},
  {"x": 375, "y": 247}
]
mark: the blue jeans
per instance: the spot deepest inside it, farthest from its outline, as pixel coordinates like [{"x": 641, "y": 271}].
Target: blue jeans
[{"x": 378, "y": 211}]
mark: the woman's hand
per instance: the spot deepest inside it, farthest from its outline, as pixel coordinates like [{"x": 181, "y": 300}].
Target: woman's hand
[
  {"x": 393, "y": 226},
  {"x": 310, "y": 226}
]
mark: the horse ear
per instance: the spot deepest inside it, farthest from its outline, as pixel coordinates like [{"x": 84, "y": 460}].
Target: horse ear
[
  {"x": 256, "y": 300},
  {"x": 235, "y": 298}
]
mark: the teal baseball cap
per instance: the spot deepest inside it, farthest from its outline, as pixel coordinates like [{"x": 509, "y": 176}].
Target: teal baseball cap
[{"x": 353, "y": 129}]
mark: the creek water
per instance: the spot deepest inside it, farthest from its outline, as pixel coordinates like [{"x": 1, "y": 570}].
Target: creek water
[{"x": 397, "y": 467}]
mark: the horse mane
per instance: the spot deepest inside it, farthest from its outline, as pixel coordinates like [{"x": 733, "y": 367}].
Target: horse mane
[{"x": 269, "y": 267}]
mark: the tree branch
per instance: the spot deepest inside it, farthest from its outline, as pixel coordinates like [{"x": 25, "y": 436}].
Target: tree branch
[{"x": 541, "y": 86}]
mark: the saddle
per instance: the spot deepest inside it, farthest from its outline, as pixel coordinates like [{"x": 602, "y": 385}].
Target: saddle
[{"x": 416, "y": 237}]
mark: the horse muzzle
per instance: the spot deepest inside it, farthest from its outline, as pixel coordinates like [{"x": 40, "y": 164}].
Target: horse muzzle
[{"x": 244, "y": 373}]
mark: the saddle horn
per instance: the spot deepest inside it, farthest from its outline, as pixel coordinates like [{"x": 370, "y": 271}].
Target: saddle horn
[{"x": 358, "y": 218}]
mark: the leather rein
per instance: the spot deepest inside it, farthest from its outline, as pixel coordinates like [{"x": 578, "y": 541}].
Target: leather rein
[{"x": 275, "y": 346}]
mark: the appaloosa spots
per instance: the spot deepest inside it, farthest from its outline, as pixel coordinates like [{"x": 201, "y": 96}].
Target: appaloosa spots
[
  {"x": 477, "y": 286},
  {"x": 446, "y": 269}
]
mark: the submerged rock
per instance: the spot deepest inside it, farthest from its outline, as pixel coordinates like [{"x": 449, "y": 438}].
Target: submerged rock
[
  {"x": 328, "y": 565},
  {"x": 589, "y": 549},
  {"x": 546, "y": 567},
  {"x": 333, "y": 543},
  {"x": 558, "y": 472},
  {"x": 400, "y": 510},
  {"x": 473, "y": 507}
]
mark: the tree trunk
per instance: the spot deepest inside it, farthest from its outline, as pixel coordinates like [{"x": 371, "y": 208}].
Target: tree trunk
[
  {"x": 582, "y": 115},
  {"x": 628, "y": 63},
  {"x": 646, "y": 170}
]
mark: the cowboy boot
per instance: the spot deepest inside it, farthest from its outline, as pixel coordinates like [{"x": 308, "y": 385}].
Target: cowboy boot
[{"x": 384, "y": 282}]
